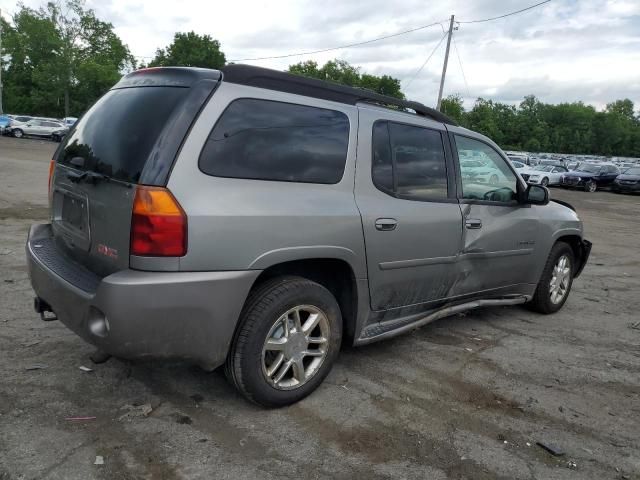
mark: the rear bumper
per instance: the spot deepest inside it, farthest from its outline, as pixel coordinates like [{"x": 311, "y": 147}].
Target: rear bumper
[{"x": 135, "y": 314}]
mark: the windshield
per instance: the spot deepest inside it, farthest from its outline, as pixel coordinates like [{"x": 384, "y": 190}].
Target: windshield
[
  {"x": 116, "y": 135},
  {"x": 544, "y": 168},
  {"x": 633, "y": 171},
  {"x": 590, "y": 168}
]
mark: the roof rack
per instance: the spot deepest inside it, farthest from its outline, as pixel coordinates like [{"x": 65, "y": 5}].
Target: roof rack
[{"x": 311, "y": 87}]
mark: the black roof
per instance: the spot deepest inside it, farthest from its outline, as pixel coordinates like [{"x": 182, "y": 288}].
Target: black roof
[{"x": 311, "y": 87}]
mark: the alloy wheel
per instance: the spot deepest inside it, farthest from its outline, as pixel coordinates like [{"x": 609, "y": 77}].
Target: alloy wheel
[
  {"x": 560, "y": 279},
  {"x": 295, "y": 348}
]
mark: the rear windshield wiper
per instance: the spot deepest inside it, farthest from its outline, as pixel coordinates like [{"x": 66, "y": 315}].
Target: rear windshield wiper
[{"x": 88, "y": 177}]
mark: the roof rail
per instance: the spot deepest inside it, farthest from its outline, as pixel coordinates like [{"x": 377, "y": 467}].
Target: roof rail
[{"x": 311, "y": 87}]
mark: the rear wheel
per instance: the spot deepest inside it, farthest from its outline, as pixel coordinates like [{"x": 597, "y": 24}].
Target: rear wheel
[
  {"x": 556, "y": 280},
  {"x": 287, "y": 342},
  {"x": 18, "y": 133},
  {"x": 590, "y": 186}
]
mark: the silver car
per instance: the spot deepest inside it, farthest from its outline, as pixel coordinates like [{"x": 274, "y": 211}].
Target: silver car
[
  {"x": 260, "y": 220},
  {"x": 38, "y": 128}
]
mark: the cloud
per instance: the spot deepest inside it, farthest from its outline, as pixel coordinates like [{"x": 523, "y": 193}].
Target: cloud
[{"x": 565, "y": 50}]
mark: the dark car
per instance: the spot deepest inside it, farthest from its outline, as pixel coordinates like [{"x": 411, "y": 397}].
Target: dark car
[
  {"x": 59, "y": 135},
  {"x": 590, "y": 177},
  {"x": 627, "y": 182}
]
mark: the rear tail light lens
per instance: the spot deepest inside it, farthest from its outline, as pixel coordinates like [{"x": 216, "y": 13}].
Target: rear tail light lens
[{"x": 158, "y": 224}]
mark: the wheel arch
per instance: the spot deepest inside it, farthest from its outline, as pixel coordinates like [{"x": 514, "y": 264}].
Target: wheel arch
[{"x": 335, "y": 274}]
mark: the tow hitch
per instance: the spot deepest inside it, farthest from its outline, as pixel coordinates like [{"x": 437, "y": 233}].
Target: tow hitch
[{"x": 44, "y": 309}]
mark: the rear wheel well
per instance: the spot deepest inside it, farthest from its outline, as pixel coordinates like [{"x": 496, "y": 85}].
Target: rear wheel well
[{"x": 335, "y": 275}]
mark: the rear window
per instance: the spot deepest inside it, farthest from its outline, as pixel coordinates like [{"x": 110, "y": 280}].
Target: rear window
[
  {"x": 268, "y": 140},
  {"x": 117, "y": 134}
]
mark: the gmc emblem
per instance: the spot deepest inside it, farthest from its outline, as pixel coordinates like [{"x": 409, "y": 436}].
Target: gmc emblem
[{"x": 107, "y": 251}]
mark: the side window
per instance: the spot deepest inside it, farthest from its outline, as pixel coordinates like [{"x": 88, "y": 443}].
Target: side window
[
  {"x": 267, "y": 140},
  {"x": 490, "y": 178},
  {"x": 408, "y": 161}
]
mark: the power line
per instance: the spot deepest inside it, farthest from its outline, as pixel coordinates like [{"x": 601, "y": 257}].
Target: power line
[
  {"x": 455, "y": 47},
  {"x": 507, "y": 14},
  {"x": 426, "y": 61},
  {"x": 340, "y": 47}
]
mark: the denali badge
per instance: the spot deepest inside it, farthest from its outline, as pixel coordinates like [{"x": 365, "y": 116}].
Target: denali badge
[{"x": 107, "y": 251}]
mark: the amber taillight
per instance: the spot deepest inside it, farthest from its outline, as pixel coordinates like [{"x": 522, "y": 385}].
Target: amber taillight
[
  {"x": 52, "y": 167},
  {"x": 158, "y": 224}
]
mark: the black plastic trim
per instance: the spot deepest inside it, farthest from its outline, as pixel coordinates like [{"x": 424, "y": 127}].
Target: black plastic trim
[
  {"x": 167, "y": 77},
  {"x": 311, "y": 87}
]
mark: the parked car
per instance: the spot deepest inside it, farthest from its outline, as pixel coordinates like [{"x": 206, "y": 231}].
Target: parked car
[
  {"x": 58, "y": 135},
  {"x": 37, "y": 128},
  {"x": 518, "y": 165},
  {"x": 544, "y": 174},
  {"x": 5, "y": 122},
  {"x": 259, "y": 220},
  {"x": 590, "y": 177},
  {"x": 628, "y": 181},
  {"x": 69, "y": 121}
]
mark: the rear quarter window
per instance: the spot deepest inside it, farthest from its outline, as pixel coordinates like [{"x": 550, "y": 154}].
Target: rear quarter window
[{"x": 268, "y": 140}]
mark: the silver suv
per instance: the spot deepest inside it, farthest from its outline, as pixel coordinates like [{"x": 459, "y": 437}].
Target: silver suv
[{"x": 260, "y": 220}]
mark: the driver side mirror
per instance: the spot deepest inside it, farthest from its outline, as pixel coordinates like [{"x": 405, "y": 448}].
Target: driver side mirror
[{"x": 536, "y": 195}]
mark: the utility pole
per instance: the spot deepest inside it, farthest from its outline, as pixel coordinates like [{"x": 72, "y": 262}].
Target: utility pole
[
  {"x": 446, "y": 60},
  {"x": 1, "y": 111}
]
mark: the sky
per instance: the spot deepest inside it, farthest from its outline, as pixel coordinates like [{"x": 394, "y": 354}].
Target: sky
[{"x": 562, "y": 51}]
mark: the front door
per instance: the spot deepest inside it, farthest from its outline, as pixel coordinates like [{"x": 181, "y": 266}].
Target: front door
[
  {"x": 500, "y": 234},
  {"x": 410, "y": 217}
]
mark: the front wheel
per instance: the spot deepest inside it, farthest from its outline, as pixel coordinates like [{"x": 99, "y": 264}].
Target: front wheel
[
  {"x": 288, "y": 339},
  {"x": 18, "y": 133},
  {"x": 545, "y": 182},
  {"x": 590, "y": 186},
  {"x": 556, "y": 280}
]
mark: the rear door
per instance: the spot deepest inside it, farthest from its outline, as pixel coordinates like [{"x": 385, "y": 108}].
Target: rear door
[
  {"x": 410, "y": 216},
  {"x": 99, "y": 165},
  {"x": 500, "y": 234}
]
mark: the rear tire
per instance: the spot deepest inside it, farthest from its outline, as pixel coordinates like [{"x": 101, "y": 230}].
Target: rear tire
[
  {"x": 590, "y": 186},
  {"x": 269, "y": 340},
  {"x": 555, "y": 283},
  {"x": 17, "y": 133}
]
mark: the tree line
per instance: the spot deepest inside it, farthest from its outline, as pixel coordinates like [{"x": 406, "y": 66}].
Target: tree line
[{"x": 60, "y": 58}]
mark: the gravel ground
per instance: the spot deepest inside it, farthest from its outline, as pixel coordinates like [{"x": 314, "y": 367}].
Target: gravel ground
[{"x": 465, "y": 397}]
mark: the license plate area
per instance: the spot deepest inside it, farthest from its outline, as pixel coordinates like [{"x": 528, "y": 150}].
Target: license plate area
[{"x": 70, "y": 211}]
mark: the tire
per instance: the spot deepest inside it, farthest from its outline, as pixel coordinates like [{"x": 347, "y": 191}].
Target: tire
[
  {"x": 18, "y": 133},
  {"x": 249, "y": 359},
  {"x": 590, "y": 186},
  {"x": 493, "y": 180},
  {"x": 545, "y": 182},
  {"x": 542, "y": 301}
]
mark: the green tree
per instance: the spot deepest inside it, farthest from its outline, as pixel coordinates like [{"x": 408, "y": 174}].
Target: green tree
[
  {"x": 190, "y": 50},
  {"x": 453, "y": 107},
  {"x": 61, "y": 59},
  {"x": 340, "y": 71}
]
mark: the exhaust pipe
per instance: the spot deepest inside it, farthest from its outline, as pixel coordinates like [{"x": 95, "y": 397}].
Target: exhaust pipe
[{"x": 43, "y": 308}]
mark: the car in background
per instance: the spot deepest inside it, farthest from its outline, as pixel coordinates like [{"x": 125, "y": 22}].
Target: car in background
[
  {"x": 5, "y": 123},
  {"x": 626, "y": 166},
  {"x": 59, "y": 135},
  {"x": 628, "y": 181},
  {"x": 518, "y": 165},
  {"x": 544, "y": 174},
  {"x": 69, "y": 121},
  {"x": 519, "y": 157},
  {"x": 37, "y": 128},
  {"x": 590, "y": 177}
]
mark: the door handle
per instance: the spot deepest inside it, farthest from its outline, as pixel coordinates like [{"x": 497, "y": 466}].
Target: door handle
[
  {"x": 473, "y": 223},
  {"x": 386, "y": 224}
]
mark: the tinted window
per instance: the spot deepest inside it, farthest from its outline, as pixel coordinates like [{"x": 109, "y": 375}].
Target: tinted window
[
  {"x": 117, "y": 134},
  {"x": 494, "y": 181},
  {"x": 266, "y": 140},
  {"x": 409, "y": 161}
]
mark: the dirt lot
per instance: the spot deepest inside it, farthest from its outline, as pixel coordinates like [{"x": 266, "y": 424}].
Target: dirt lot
[{"x": 465, "y": 397}]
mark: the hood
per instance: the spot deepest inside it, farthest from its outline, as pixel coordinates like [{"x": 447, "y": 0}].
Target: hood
[
  {"x": 624, "y": 176},
  {"x": 579, "y": 173}
]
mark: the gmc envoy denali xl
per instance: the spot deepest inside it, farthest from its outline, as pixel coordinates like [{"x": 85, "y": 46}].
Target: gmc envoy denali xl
[{"x": 259, "y": 220}]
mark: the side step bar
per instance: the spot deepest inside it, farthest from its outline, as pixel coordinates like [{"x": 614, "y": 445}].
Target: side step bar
[
  {"x": 43, "y": 308},
  {"x": 398, "y": 326}
]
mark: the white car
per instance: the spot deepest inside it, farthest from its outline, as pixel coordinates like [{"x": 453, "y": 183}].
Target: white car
[
  {"x": 37, "y": 128},
  {"x": 518, "y": 165},
  {"x": 543, "y": 174}
]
